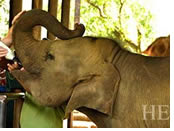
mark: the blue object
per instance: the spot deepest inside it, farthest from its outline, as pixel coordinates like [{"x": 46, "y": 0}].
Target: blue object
[{"x": 3, "y": 89}]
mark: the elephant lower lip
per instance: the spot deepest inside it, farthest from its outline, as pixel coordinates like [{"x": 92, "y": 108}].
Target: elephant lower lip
[{"x": 85, "y": 79}]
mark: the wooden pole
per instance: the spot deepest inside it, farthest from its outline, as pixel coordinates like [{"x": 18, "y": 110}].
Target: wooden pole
[
  {"x": 77, "y": 12},
  {"x": 3, "y": 99},
  {"x": 65, "y": 12},
  {"x": 15, "y": 8},
  {"x": 37, "y": 4},
  {"x": 52, "y": 9},
  {"x": 17, "y": 110},
  {"x": 70, "y": 120}
]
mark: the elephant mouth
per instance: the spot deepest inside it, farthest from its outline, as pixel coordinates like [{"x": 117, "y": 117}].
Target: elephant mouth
[{"x": 85, "y": 79}]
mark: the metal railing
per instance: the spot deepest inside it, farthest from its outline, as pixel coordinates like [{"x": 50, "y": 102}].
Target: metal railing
[{"x": 4, "y": 98}]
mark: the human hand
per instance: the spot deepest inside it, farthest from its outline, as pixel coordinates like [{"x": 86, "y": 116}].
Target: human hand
[
  {"x": 14, "y": 66},
  {"x": 8, "y": 38},
  {"x": 3, "y": 52}
]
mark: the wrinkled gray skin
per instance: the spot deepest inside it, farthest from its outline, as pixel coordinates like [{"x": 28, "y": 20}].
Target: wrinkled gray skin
[{"x": 93, "y": 75}]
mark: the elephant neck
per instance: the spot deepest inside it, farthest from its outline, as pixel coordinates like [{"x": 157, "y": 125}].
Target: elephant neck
[
  {"x": 127, "y": 62},
  {"x": 115, "y": 54},
  {"x": 118, "y": 55}
]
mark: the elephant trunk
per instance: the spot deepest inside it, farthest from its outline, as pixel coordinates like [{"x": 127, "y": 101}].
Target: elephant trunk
[{"x": 26, "y": 46}]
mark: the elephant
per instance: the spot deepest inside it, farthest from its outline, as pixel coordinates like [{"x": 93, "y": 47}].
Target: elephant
[
  {"x": 113, "y": 87},
  {"x": 160, "y": 47}
]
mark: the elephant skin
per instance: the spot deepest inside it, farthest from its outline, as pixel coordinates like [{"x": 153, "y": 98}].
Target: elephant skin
[{"x": 113, "y": 87}]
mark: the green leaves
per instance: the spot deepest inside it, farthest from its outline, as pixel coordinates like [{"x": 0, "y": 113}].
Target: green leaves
[
  {"x": 4, "y": 16},
  {"x": 126, "y": 20}
]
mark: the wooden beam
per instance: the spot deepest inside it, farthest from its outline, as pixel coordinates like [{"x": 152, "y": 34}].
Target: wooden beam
[
  {"x": 65, "y": 12},
  {"x": 52, "y": 9},
  {"x": 80, "y": 118},
  {"x": 15, "y": 8},
  {"x": 37, "y": 4},
  {"x": 77, "y": 12}
]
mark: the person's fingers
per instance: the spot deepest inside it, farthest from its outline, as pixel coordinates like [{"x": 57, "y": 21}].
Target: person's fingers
[
  {"x": 3, "y": 51},
  {"x": 10, "y": 67},
  {"x": 2, "y": 54},
  {"x": 22, "y": 69},
  {"x": 10, "y": 70},
  {"x": 15, "y": 65}
]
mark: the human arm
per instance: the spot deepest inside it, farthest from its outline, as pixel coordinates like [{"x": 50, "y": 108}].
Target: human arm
[{"x": 8, "y": 38}]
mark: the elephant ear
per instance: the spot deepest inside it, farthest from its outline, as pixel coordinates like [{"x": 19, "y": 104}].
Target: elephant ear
[{"x": 96, "y": 91}]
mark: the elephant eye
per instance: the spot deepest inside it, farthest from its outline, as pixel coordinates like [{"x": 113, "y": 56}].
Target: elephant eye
[{"x": 49, "y": 56}]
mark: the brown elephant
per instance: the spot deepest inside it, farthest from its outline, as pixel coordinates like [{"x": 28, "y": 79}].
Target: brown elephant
[
  {"x": 160, "y": 47},
  {"x": 114, "y": 87}
]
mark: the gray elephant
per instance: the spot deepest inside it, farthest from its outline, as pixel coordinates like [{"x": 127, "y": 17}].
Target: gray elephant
[{"x": 113, "y": 87}]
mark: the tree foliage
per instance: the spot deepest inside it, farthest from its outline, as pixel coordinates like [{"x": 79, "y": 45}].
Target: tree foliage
[
  {"x": 125, "y": 20},
  {"x": 4, "y": 17}
]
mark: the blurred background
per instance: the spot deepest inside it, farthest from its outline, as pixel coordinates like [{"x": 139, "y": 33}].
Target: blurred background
[{"x": 136, "y": 22}]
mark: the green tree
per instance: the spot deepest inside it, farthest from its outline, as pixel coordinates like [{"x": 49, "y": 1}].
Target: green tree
[
  {"x": 115, "y": 18},
  {"x": 4, "y": 16}
]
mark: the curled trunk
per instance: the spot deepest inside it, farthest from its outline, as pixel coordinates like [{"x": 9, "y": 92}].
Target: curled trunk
[
  {"x": 27, "y": 47},
  {"x": 39, "y": 17}
]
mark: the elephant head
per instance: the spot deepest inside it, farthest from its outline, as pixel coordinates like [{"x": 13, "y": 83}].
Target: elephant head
[
  {"x": 27, "y": 47},
  {"x": 59, "y": 71}
]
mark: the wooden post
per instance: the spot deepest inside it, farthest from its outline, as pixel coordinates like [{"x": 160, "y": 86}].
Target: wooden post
[
  {"x": 17, "y": 110},
  {"x": 37, "y": 4},
  {"x": 70, "y": 120},
  {"x": 77, "y": 12},
  {"x": 15, "y": 8},
  {"x": 52, "y": 9},
  {"x": 3, "y": 99},
  {"x": 65, "y": 12}
]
